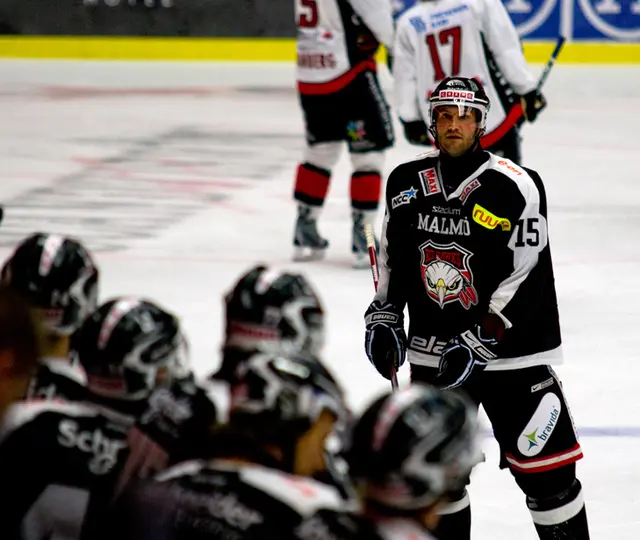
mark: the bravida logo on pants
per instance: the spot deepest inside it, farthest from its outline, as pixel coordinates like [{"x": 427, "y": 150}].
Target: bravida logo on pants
[{"x": 539, "y": 429}]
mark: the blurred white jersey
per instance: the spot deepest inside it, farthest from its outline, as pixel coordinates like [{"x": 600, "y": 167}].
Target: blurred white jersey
[
  {"x": 337, "y": 39},
  {"x": 436, "y": 39}
]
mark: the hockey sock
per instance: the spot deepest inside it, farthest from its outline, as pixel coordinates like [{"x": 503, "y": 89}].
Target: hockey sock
[
  {"x": 365, "y": 190},
  {"x": 312, "y": 184},
  {"x": 562, "y": 516},
  {"x": 455, "y": 520}
]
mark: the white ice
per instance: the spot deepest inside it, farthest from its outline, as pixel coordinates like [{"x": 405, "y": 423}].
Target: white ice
[{"x": 180, "y": 176}]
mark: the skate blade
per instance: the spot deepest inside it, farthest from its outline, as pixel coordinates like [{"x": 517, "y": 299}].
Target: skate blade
[{"x": 306, "y": 254}]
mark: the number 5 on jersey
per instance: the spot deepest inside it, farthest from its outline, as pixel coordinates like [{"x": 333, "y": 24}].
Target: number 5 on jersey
[{"x": 308, "y": 13}]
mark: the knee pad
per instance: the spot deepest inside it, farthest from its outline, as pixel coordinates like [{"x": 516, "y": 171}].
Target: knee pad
[
  {"x": 559, "y": 508},
  {"x": 323, "y": 155},
  {"x": 546, "y": 484},
  {"x": 369, "y": 162}
]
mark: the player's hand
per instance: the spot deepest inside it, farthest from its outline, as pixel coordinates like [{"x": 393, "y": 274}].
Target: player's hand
[
  {"x": 416, "y": 132},
  {"x": 532, "y": 104},
  {"x": 469, "y": 352},
  {"x": 385, "y": 341}
]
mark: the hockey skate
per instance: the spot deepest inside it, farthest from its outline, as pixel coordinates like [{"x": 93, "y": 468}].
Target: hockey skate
[
  {"x": 307, "y": 242},
  {"x": 359, "y": 241}
]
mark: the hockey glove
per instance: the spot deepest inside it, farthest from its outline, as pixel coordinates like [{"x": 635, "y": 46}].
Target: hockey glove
[
  {"x": 532, "y": 104},
  {"x": 416, "y": 132},
  {"x": 385, "y": 341},
  {"x": 469, "y": 352}
]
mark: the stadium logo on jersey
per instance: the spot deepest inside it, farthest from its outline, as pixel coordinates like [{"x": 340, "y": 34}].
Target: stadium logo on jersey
[
  {"x": 483, "y": 217},
  {"x": 104, "y": 450},
  {"x": 542, "y": 424},
  {"x": 446, "y": 274},
  {"x": 404, "y": 197},
  {"x": 475, "y": 184},
  {"x": 429, "y": 182}
]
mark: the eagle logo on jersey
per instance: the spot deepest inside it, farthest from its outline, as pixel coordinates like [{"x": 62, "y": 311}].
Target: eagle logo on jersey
[{"x": 446, "y": 274}]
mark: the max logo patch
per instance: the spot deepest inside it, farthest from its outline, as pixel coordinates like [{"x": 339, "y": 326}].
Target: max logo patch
[
  {"x": 483, "y": 217},
  {"x": 429, "y": 182}
]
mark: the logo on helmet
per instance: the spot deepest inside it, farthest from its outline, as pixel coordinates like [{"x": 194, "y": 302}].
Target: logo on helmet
[{"x": 456, "y": 94}]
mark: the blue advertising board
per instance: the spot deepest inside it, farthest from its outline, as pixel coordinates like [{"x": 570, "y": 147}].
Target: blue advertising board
[{"x": 577, "y": 20}]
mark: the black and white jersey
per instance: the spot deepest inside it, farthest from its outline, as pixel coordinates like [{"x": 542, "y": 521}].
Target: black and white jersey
[
  {"x": 337, "y": 39},
  {"x": 219, "y": 499},
  {"x": 57, "y": 378},
  {"x": 454, "y": 254},
  {"x": 58, "y": 463},
  {"x": 333, "y": 525},
  {"x": 467, "y": 38}
]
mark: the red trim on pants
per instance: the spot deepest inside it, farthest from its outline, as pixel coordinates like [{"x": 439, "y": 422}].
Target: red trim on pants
[{"x": 545, "y": 463}]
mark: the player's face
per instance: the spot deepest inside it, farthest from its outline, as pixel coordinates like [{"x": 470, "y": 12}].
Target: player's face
[
  {"x": 456, "y": 129},
  {"x": 311, "y": 448}
]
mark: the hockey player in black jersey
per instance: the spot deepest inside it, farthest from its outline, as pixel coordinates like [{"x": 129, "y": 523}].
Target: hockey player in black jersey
[
  {"x": 59, "y": 460},
  {"x": 267, "y": 310},
  {"x": 255, "y": 481},
  {"x": 409, "y": 451},
  {"x": 59, "y": 279},
  {"x": 19, "y": 347},
  {"x": 466, "y": 251}
]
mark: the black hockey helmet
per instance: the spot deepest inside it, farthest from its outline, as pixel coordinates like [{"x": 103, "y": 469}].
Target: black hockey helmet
[
  {"x": 413, "y": 447},
  {"x": 280, "y": 397},
  {"x": 128, "y": 347},
  {"x": 464, "y": 93},
  {"x": 57, "y": 275},
  {"x": 274, "y": 311}
]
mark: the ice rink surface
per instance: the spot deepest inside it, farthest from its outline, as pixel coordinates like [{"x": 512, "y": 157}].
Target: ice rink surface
[{"x": 179, "y": 177}]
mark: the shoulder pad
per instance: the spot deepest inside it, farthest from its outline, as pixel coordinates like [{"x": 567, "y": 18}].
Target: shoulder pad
[
  {"x": 304, "y": 495},
  {"x": 25, "y": 412},
  {"x": 507, "y": 167}
]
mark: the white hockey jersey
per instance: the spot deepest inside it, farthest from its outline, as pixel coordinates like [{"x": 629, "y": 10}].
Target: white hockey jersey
[
  {"x": 436, "y": 39},
  {"x": 337, "y": 39}
]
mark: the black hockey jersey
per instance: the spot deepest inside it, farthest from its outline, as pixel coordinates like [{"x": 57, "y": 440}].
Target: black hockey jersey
[
  {"x": 452, "y": 256},
  {"x": 333, "y": 525},
  {"x": 58, "y": 463},
  {"x": 58, "y": 378},
  {"x": 200, "y": 500}
]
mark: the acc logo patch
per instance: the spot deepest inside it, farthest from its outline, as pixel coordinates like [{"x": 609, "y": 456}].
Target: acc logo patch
[
  {"x": 539, "y": 429},
  {"x": 446, "y": 274},
  {"x": 483, "y": 217},
  {"x": 404, "y": 197}
]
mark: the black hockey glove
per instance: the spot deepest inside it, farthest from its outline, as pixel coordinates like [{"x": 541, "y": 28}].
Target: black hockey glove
[
  {"x": 532, "y": 104},
  {"x": 469, "y": 352},
  {"x": 385, "y": 341},
  {"x": 416, "y": 132}
]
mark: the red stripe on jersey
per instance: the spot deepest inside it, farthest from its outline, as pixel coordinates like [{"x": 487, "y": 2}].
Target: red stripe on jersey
[
  {"x": 338, "y": 83},
  {"x": 511, "y": 119}
]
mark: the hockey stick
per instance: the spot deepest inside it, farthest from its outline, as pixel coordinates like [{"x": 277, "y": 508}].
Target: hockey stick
[
  {"x": 515, "y": 116},
  {"x": 373, "y": 260}
]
